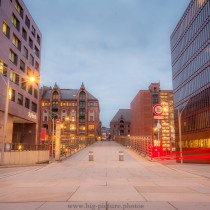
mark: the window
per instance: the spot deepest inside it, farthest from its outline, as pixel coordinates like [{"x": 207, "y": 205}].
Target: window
[
  {"x": 34, "y": 107},
  {"x": 20, "y": 99},
  {"x": 38, "y": 39},
  {"x": 19, "y": 8},
  {"x": 13, "y": 57},
  {"x": 82, "y": 96},
  {"x": 37, "y": 66},
  {"x": 22, "y": 66},
  {"x": 12, "y": 95},
  {"x": 6, "y": 30},
  {"x": 30, "y": 43},
  {"x": 15, "y": 22},
  {"x": 36, "y": 51},
  {"x": 35, "y": 93},
  {"x": 16, "y": 42},
  {"x": 72, "y": 127},
  {"x": 91, "y": 127},
  {"x": 27, "y": 103},
  {"x": 23, "y": 84},
  {"x": 27, "y": 21},
  {"x": 29, "y": 72},
  {"x": 24, "y": 34},
  {"x": 55, "y": 96},
  {"x": 30, "y": 89},
  {"x": 91, "y": 118},
  {"x": 33, "y": 31},
  {"x": 3, "y": 69},
  {"x": 31, "y": 60},
  {"x": 14, "y": 78},
  {"x": 25, "y": 52}
]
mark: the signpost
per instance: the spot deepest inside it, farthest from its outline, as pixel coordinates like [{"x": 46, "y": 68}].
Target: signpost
[
  {"x": 57, "y": 141},
  {"x": 158, "y": 111}
]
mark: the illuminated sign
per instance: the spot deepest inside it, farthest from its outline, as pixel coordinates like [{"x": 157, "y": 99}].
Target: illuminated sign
[{"x": 32, "y": 115}]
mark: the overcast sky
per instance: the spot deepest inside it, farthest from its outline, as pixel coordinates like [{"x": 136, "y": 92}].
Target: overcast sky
[{"x": 116, "y": 47}]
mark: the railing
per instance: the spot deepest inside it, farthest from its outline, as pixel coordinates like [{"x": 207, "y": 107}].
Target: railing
[
  {"x": 71, "y": 145},
  {"x": 9, "y": 147},
  {"x": 141, "y": 144}
]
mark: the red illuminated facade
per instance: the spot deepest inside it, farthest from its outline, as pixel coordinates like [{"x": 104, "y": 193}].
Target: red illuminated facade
[
  {"x": 20, "y": 49},
  {"x": 190, "y": 54}
]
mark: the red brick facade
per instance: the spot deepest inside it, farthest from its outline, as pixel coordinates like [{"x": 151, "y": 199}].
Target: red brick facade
[
  {"x": 142, "y": 117},
  {"x": 120, "y": 124},
  {"x": 77, "y": 110}
]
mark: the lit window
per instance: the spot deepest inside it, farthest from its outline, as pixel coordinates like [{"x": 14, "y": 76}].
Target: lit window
[
  {"x": 14, "y": 78},
  {"x": 19, "y": 8},
  {"x": 91, "y": 127},
  {"x": 15, "y": 22},
  {"x": 16, "y": 42},
  {"x": 6, "y": 30}
]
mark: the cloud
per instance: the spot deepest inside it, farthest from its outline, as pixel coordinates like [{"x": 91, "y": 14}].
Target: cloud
[{"x": 115, "y": 47}]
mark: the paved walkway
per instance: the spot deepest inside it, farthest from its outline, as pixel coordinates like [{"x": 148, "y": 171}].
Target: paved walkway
[{"x": 105, "y": 183}]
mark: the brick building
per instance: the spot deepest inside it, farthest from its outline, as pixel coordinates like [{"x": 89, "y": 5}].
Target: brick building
[
  {"x": 77, "y": 109},
  {"x": 142, "y": 119},
  {"x": 20, "y": 48},
  {"x": 120, "y": 124}
]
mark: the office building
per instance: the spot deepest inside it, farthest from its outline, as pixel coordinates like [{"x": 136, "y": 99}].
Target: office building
[
  {"x": 120, "y": 124},
  {"x": 77, "y": 110},
  {"x": 20, "y": 51},
  {"x": 143, "y": 123},
  {"x": 190, "y": 53}
]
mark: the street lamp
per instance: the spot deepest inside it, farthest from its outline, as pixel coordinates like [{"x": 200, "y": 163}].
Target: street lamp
[
  {"x": 180, "y": 130},
  {"x": 6, "y": 81}
]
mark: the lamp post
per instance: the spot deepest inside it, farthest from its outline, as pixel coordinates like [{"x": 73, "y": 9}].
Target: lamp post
[
  {"x": 6, "y": 81},
  {"x": 5, "y": 118},
  {"x": 180, "y": 130}
]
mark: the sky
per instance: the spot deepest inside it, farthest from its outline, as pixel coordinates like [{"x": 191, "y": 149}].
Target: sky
[{"x": 115, "y": 47}]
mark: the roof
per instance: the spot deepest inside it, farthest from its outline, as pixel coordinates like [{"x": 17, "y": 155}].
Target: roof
[
  {"x": 66, "y": 94},
  {"x": 122, "y": 113}
]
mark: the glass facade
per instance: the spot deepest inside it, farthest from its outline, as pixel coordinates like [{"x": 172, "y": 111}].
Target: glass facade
[{"x": 190, "y": 53}]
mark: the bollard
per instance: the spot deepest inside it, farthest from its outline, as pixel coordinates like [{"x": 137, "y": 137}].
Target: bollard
[
  {"x": 90, "y": 155},
  {"x": 121, "y": 156}
]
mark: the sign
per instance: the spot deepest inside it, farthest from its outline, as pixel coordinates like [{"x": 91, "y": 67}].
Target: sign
[
  {"x": 159, "y": 117},
  {"x": 31, "y": 115},
  {"x": 43, "y": 134},
  {"x": 158, "y": 109}
]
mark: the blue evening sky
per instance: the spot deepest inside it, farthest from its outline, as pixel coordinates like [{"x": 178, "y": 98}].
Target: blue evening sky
[{"x": 116, "y": 47}]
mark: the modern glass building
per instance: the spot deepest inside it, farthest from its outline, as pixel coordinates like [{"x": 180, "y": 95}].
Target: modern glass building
[{"x": 190, "y": 52}]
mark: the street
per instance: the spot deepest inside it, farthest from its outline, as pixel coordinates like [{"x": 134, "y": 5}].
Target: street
[{"x": 105, "y": 183}]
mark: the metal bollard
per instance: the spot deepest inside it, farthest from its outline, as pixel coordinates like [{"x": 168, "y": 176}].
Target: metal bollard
[
  {"x": 90, "y": 155},
  {"x": 121, "y": 156}
]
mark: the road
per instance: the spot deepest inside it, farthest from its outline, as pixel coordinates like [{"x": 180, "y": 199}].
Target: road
[{"x": 105, "y": 183}]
